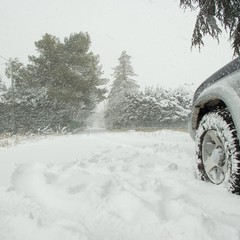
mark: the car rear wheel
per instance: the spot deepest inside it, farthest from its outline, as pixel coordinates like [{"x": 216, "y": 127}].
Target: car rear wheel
[{"x": 218, "y": 151}]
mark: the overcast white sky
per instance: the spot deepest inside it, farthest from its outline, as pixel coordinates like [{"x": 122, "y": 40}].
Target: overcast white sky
[{"x": 156, "y": 33}]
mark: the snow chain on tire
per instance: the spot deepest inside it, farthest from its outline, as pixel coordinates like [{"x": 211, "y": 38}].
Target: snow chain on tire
[{"x": 220, "y": 121}]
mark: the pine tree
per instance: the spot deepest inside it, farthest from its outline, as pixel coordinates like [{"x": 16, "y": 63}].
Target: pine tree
[
  {"x": 211, "y": 15},
  {"x": 3, "y": 90},
  {"x": 122, "y": 85},
  {"x": 69, "y": 70},
  {"x": 123, "y": 81},
  {"x": 62, "y": 84}
]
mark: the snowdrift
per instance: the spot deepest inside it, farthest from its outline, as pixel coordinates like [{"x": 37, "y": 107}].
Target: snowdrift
[{"x": 111, "y": 186}]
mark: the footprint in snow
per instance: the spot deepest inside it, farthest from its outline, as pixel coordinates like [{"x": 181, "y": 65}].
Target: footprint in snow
[{"x": 173, "y": 166}]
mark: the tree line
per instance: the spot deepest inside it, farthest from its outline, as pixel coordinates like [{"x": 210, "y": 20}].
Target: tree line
[
  {"x": 128, "y": 107},
  {"x": 62, "y": 85},
  {"x": 58, "y": 88}
]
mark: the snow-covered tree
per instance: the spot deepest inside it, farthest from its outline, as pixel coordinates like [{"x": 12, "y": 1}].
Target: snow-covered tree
[
  {"x": 63, "y": 83},
  {"x": 3, "y": 89},
  {"x": 213, "y": 16},
  {"x": 123, "y": 83},
  {"x": 123, "y": 77},
  {"x": 156, "y": 107}
]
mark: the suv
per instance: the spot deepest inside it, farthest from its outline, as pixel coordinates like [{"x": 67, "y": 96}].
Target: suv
[{"x": 215, "y": 126}]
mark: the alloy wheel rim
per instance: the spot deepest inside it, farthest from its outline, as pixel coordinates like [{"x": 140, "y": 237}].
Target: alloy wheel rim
[{"x": 214, "y": 157}]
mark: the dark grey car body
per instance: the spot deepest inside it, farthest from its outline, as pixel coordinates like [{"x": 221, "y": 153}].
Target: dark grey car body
[{"x": 222, "y": 89}]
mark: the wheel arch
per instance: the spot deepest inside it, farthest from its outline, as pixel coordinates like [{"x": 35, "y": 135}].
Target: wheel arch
[
  {"x": 218, "y": 96},
  {"x": 205, "y": 106}
]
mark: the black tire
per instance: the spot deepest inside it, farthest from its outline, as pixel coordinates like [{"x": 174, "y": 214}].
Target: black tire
[{"x": 218, "y": 151}]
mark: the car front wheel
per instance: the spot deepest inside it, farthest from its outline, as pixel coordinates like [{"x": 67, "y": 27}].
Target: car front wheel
[{"x": 218, "y": 151}]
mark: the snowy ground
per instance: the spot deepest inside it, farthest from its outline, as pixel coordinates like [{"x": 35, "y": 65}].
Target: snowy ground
[{"x": 102, "y": 186}]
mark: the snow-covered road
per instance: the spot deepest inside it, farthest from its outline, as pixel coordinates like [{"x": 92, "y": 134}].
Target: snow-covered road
[{"x": 111, "y": 185}]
